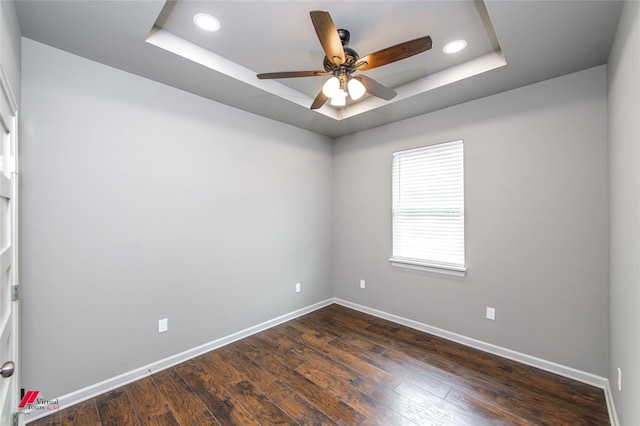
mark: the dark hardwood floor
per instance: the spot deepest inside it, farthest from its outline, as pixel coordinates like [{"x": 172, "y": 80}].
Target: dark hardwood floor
[{"x": 339, "y": 366}]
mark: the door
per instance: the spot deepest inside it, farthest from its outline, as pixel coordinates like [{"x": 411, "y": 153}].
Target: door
[{"x": 9, "y": 302}]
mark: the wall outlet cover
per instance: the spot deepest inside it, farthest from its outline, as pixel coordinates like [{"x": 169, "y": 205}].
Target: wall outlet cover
[{"x": 491, "y": 313}]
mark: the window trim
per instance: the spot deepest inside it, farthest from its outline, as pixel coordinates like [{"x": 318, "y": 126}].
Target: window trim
[
  {"x": 428, "y": 267},
  {"x": 424, "y": 265}
]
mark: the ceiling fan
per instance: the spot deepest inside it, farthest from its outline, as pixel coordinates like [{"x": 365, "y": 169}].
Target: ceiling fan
[{"x": 341, "y": 62}]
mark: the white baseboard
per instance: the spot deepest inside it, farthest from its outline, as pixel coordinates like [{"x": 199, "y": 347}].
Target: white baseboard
[
  {"x": 572, "y": 373},
  {"x": 613, "y": 415},
  {"x": 552, "y": 367},
  {"x": 80, "y": 395}
]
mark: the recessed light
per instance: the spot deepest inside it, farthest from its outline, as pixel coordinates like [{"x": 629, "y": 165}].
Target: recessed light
[
  {"x": 454, "y": 46},
  {"x": 206, "y": 22}
]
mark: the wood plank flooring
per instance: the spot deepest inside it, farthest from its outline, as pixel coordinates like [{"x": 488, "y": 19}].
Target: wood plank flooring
[{"x": 339, "y": 366}]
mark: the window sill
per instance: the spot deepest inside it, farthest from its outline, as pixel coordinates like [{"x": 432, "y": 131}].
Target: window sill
[{"x": 429, "y": 267}]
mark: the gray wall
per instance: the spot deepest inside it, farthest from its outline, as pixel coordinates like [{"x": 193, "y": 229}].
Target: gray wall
[
  {"x": 140, "y": 202},
  {"x": 10, "y": 47},
  {"x": 624, "y": 190},
  {"x": 536, "y": 221}
]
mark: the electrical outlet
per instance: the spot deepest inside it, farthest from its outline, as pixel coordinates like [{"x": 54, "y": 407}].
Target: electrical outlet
[
  {"x": 361, "y": 283},
  {"x": 619, "y": 380},
  {"x": 491, "y": 313},
  {"x": 163, "y": 325},
  {"x": 297, "y": 287}
]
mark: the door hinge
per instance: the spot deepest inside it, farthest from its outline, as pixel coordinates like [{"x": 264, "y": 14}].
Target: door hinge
[
  {"x": 15, "y": 418},
  {"x": 15, "y": 292}
]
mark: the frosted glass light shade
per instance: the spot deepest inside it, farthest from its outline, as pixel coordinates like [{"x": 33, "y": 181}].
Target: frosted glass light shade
[
  {"x": 339, "y": 98},
  {"x": 331, "y": 87},
  {"x": 356, "y": 89}
]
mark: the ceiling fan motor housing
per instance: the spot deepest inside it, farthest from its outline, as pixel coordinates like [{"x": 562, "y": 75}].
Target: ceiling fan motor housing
[{"x": 350, "y": 55}]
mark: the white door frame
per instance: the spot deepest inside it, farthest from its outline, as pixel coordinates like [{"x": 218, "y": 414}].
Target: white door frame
[{"x": 9, "y": 266}]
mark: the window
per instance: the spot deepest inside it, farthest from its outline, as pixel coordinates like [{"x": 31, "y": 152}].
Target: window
[{"x": 428, "y": 208}]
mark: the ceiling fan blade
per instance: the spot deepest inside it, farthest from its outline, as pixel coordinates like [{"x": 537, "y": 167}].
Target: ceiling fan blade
[
  {"x": 328, "y": 36},
  {"x": 394, "y": 53},
  {"x": 376, "y": 89},
  {"x": 290, "y": 74},
  {"x": 319, "y": 100}
]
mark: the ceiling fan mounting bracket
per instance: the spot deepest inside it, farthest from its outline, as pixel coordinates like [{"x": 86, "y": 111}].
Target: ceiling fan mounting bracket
[{"x": 344, "y": 35}]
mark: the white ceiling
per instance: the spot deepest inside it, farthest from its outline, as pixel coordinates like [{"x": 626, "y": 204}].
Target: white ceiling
[{"x": 510, "y": 44}]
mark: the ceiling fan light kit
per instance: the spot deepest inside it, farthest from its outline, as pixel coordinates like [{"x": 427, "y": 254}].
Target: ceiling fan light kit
[
  {"x": 342, "y": 61},
  {"x": 335, "y": 88}
]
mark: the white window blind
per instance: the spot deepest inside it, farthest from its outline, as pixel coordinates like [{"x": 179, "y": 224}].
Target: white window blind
[{"x": 428, "y": 206}]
